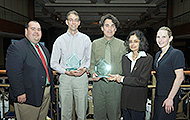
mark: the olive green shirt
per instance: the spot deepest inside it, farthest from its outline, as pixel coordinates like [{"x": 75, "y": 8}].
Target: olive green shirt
[{"x": 117, "y": 51}]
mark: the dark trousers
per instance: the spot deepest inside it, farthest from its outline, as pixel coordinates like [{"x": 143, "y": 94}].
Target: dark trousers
[
  {"x": 106, "y": 99},
  {"x": 159, "y": 111},
  {"x": 133, "y": 115}
]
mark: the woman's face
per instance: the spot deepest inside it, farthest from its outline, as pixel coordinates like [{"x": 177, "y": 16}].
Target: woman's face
[
  {"x": 134, "y": 43},
  {"x": 162, "y": 38}
]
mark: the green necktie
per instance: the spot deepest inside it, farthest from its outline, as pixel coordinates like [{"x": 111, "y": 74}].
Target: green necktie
[
  {"x": 107, "y": 56},
  {"x": 108, "y": 53}
]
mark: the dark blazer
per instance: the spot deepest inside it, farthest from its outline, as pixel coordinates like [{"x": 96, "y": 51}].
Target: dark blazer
[
  {"x": 165, "y": 75},
  {"x": 165, "y": 69},
  {"x": 134, "y": 91},
  {"x": 26, "y": 73}
]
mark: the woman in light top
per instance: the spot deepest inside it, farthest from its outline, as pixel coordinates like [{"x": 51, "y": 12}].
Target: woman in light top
[
  {"x": 136, "y": 66},
  {"x": 169, "y": 64}
]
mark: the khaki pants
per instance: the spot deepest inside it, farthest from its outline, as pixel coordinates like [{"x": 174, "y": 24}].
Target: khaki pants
[
  {"x": 76, "y": 87},
  {"x": 29, "y": 112}
]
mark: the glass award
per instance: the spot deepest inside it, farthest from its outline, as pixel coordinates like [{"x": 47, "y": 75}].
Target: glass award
[
  {"x": 102, "y": 68},
  {"x": 73, "y": 62}
]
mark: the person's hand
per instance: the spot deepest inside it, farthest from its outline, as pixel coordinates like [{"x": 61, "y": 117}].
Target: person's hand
[
  {"x": 70, "y": 73},
  {"x": 168, "y": 104},
  {"x": 111, "y": 77},
  {"x": 21, "y": 98},
  {"x": 116, "y": 78},
  {"x": 95, "y": 77},
  {"x": 76, "y": 73},
  {"x": 80, "y": 72}
]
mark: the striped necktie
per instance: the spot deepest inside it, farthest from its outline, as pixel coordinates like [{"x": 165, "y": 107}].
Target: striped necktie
[
  {"x": 108, "y": 53},
  {"x": 107, "y": 56},
  {"x": 43, "y": 61}
]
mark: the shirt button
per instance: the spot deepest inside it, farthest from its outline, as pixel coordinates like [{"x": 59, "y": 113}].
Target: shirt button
[{"x": 42, "y": 76}]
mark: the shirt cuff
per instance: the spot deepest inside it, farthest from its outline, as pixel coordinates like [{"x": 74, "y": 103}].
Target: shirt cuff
[{"x": 122, "y": 79}]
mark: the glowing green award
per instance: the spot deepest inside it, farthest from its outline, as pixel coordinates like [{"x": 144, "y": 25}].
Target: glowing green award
[
  {"x": 102, "y": 68},
  {"x": 73, "y": 62}
]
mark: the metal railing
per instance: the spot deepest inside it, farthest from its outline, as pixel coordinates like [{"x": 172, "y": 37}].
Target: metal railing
[{"x": 186, "y": 97}]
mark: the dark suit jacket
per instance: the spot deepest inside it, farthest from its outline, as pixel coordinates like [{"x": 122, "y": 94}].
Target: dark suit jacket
[
  {"x": 165, "y": 69},
  {"x": 26, "y": 73},
  {"x": 134, "y": 91}
]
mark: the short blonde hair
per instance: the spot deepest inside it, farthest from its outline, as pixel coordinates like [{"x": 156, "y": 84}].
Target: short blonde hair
[{"x": 167, "y": 29}]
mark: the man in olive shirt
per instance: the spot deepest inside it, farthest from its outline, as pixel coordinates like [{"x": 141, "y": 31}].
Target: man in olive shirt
[{"x": 106, "y": 94}]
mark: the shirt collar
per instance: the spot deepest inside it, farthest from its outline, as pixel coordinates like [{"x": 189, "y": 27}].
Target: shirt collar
[
  {"x": 71, "y": 34},
  {"x": 110, "y": 41},
  {"x": 130, "y": 55},
  {"x": 169, "y": 49},
  {"x": 167, "y": 52},
  {"x": 34, "y": 44}
]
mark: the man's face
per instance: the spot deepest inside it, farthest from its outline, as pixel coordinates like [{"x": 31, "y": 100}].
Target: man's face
[
  {"x": 73, "y": 22},
  {"x": 33, "y": 32},
  {"x": 109, "y": 29}
]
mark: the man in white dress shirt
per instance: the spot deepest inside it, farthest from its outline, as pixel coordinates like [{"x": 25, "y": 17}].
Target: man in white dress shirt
[{"x": 69, "y": 47}]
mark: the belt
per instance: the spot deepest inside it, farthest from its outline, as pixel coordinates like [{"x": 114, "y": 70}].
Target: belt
[{"x": 47, "y": 85}]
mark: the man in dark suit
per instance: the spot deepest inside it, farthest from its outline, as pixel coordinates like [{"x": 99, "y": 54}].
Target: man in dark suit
[{"x": 30, "y": 77}]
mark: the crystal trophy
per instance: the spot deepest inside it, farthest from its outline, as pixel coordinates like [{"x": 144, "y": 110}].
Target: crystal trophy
[
  {"x": 102, "y": 68},
  {"x": 73, "y": 62}
]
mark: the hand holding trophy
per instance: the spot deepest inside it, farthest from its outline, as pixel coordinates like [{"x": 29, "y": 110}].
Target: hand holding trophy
[
  {"x": 73, "y": 63},
  {"x": 102, "y": 68}
]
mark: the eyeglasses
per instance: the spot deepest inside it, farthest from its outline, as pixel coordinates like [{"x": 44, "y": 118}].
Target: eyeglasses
[{"x": 75, "y": 20}]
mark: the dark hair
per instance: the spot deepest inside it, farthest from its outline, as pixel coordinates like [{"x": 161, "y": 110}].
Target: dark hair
[
  {"x": 143, "y": 46},
  {"x": 72, "y": 12},
  {"x": 109, "y": 16},
  {"x": 27, "y": 23}
]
